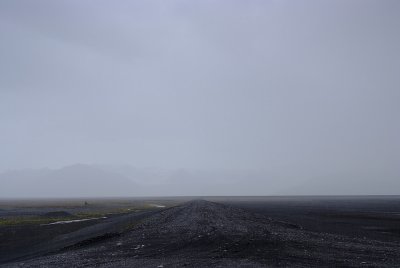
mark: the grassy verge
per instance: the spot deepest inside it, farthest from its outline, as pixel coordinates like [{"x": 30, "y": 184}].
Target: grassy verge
[
  {"x": 25, "y": 220},
  {"x": 31, "y": 220}
]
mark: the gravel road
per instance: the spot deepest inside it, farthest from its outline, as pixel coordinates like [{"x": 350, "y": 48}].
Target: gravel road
[{"x": 207, "y": 234}]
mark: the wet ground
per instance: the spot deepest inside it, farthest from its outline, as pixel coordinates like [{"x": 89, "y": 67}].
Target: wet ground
[{"x": 237, "y": 232}]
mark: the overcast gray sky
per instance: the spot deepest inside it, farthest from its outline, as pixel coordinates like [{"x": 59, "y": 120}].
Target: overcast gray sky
[{"x": 295, "y": 88}]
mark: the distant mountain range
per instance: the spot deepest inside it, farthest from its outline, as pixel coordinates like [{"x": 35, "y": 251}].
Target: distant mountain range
[
  {"x": 82, "y": 180},
  {"x": 72, "y": 181}
]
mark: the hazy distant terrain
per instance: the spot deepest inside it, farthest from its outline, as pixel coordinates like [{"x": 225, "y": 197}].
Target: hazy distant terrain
[
  {"x": 222, "y": 98},
  {"x": 101, "y": 180}
]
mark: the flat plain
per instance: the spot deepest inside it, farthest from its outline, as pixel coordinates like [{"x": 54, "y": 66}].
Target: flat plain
[{"x": 285, "y": 231}]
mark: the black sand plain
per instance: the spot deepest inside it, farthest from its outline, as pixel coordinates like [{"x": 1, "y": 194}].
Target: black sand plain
[{"x": 309, "y": 231}]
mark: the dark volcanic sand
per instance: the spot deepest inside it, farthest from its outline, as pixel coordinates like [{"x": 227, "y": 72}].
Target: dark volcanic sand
[{"x": 207, "y": 234}]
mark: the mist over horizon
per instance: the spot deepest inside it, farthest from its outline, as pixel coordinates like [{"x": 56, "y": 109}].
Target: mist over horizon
[
  {"x": 81, "y": 180},
  {"x": 177, "y": 97}
]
